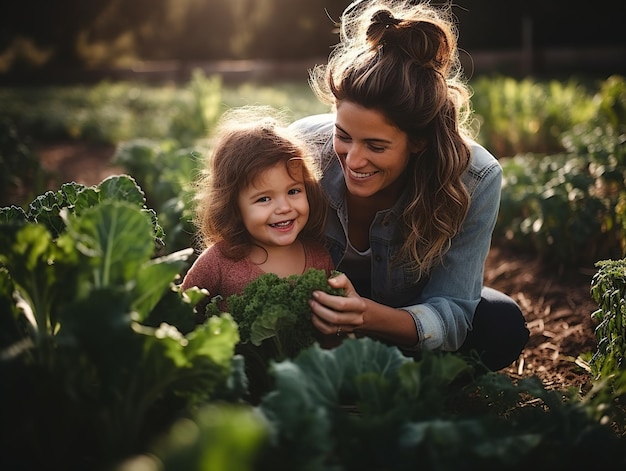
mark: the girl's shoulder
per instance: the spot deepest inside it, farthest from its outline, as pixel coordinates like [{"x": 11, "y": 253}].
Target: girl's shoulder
[{"x": 317, "y": 256}]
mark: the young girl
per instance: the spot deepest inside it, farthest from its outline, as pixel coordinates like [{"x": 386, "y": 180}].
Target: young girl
[{"x": 259, "y": 206}]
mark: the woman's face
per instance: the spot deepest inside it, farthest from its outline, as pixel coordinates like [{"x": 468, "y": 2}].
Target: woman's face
[{"x": 373, "y": 152}]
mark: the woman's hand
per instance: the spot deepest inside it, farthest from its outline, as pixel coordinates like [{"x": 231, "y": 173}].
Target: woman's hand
[{"x": 338, "y": 315}]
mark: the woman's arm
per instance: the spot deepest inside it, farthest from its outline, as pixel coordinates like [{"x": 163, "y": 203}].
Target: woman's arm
[{"x": 446, "y": 308}]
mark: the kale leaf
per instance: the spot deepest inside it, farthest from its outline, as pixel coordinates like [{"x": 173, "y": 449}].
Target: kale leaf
[{"x": 273, "y": 312}]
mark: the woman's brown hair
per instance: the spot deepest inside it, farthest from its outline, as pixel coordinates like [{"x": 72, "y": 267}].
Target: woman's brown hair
[{"x": 401, "y": 59}]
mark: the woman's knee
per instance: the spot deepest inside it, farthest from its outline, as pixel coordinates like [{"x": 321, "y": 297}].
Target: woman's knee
[{"x": 499, "y": 332}]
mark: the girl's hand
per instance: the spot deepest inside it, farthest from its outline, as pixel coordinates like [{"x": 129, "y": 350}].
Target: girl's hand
[{"x": 338, "y": 315}]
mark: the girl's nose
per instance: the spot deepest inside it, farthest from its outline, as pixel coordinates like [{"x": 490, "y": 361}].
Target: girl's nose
[{"x": 283, "y": 205}]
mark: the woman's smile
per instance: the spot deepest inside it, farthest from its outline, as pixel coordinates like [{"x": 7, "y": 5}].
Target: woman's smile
[{"x": 360, "y": 175}]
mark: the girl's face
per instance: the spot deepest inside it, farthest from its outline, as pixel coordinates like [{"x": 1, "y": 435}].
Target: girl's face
[
  {"x": 373, "y": 152},
  {"x": 274, "y": 208}
]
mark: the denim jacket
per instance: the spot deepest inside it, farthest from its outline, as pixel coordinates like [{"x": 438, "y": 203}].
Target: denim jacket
[{"x": 443, "y": 304}]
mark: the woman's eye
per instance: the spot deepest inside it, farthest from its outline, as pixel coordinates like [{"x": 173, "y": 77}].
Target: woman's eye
[
  {"x": 376, "y": 148},
  {"x": 342, "y": 137}
]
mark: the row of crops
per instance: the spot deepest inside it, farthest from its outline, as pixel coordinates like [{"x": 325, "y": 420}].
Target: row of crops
[{"x": 103, "y": 367}]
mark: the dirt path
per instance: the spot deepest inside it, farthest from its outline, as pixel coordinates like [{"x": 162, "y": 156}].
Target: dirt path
[
  {"x": 558, "y": 311},
  {"x": 79, "y": 162}
]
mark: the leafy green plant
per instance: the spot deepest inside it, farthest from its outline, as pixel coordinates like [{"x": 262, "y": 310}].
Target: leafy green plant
[
  {"x": 274, "y": 321},
  {"x": 528, "y": 116},
  {"x": 113, "y": 112},
  {"x": 21, "y": 169},
  {"x": 101, "y": 351},
  {"x": 363, "y": 405},
  {"x": 165, "y": 171},
  {"x": 569, "y": 207},
  {"x": 608, "y": 289},
  {"x": 277, "y": 309},
  {"x": 550, "y": 206}
]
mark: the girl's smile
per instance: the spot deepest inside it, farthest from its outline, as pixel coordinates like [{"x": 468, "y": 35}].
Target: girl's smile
[{"x": 274, "y": 208}]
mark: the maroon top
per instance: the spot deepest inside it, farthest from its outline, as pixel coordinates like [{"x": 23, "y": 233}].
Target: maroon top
[{"x": 224, "y": 276}]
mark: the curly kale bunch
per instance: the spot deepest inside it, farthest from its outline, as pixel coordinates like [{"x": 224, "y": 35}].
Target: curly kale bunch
[{"x": 275, "y": 310}]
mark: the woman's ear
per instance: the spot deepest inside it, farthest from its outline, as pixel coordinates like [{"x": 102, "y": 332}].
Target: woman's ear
[{"x": 418, "y": 146}]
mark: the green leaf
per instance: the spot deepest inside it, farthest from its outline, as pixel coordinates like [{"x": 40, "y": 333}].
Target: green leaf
[
  {"x": 215, "y": 339},
  {"x": 118, "y": 239},
  {"x": 40, "y": 270},
  {"x": 192, "y": 365},
  {"x": 12, "y": 215},
  {"x": 270, "y": 322},
  {"x": 99, "y": 324},
  {"x": 154, "y": 278},
  {"x": 122, "y": 188}
]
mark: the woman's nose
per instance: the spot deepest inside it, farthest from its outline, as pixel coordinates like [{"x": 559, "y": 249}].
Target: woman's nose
[{"x": 354, "y": 156}]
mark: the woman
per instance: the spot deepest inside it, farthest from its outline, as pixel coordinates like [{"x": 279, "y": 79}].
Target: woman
[{"x": 412, "y": 199}]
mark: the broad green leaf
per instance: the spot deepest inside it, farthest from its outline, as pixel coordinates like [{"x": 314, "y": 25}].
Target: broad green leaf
[
  {"x": 99, "y": 324},
  {"x": 215, "y": 339},
  {"x": 302, "y": 422},
  {"x": 40, "y": 270},
  {"x": 168, "y": 341},
  {"x": 118, "y": 239},
  {"x": 194, "y": 365},
  {"x": 84, "y": 198},
  {"x": 45, "y": 210},
  {"x": 122, "y": 188},
  {"x": 154, "y": 278}
]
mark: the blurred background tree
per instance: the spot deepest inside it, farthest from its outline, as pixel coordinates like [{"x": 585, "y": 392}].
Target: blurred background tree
[{"x": 44, "y": 34}]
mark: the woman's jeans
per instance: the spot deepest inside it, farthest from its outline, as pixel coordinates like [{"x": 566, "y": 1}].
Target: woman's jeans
[{"x": 499, "y": 332}]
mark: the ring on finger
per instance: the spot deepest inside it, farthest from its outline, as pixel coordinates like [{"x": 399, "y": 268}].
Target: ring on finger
[{"x": 338, "y": 331}]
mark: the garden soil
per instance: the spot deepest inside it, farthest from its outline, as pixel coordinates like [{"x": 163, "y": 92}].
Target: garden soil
[{"x": 556, "y": 303}]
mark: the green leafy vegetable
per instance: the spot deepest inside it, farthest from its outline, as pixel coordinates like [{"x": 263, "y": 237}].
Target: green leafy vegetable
[
  {"x": 277, "y": 309},
  {"x": 364, "y": 405},
  {"x": 274, "y": 321},
  {"x": 100, "y": 351}
]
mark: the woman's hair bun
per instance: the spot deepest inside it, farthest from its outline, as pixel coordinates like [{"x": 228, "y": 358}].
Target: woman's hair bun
[
  {"x": 378, "y": 30},
  {"x": 422, "y": 40}
]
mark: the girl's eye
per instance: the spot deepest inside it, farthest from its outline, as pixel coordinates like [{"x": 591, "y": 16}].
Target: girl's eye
[
  {"x": 295, "y": 191},
  {"x": 263, "y": 199}
]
